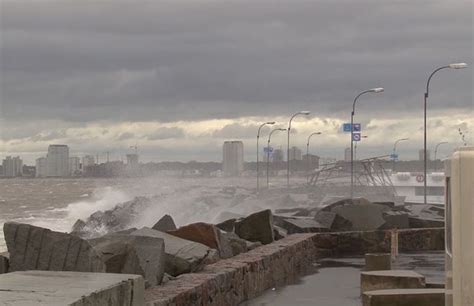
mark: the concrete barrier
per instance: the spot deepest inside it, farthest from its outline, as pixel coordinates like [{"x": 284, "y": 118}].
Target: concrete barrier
[
  {"x": 404, "y": 297},
  {"x": 378, "y": 261},
  {"x": 234, "y": 280},
  {"x": 59, "y": 288},
  {"x": 391, "y": 279}
]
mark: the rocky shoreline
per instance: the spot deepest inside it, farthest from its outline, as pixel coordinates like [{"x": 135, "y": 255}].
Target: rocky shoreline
[{"x": 165, "y": 254}]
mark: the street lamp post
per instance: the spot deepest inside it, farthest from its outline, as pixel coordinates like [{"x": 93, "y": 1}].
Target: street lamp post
[
  {"x": 436, "y": 152},
  {"x": 288, "y": 147},
  {"x": 268, "y": 150},
  {"x": 258, "y": 137},
  {"x": 307, "y": 151},
  {"x": 452, "y": 66},
  {"x": 395, "y": 150},
  {"x": 373, "y": 90}
]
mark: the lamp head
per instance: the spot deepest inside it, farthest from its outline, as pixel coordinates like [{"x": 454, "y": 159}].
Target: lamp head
[
  {"x": 270, "y": 122},
  {"x": 458, "y": 65},
  {"x": 377, "y": 90},
  {"x": 305, "y": 112}
]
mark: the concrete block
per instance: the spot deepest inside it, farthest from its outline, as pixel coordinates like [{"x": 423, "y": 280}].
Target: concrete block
[
  {"x": 37, "y": 248},
  {"x": 53, "y": 288},
  {"x": 378, "y": 261},
  {"x": 129, "y": 254},
  {"x": 166, "y": 223},
  {"x": 182, "y": 256},
  {"x": 256, "y": 227},
  {"x": 4, "y": 262},
  {"x": 404, "y": 297},
  {"x": 392, "y": 279},
  {"x": 204, "y": 233}
]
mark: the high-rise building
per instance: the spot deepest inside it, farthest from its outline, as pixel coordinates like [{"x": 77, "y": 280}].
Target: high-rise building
[
  {"x": 87, "y": 161},
  {"x": 278, "y": 155},
  {"x": 12, "y": 166},
  {"x": 233, "y": 158},
  {"x": 132, "y": 162},
  {"x": 295, "y": 153},
  {"x": 57, "y": 161},
  {"x": 41, "y": 169},
  {"x": 74, "y": 165},
  {"x": 421, "y": 154}
]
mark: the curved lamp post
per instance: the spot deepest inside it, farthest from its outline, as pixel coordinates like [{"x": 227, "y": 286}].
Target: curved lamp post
[
  {"x": 436, "y": 152},
  {"x": 451, "y": 66},
  {"x": 307, "y": 150},
  {"x": 373, "y": 90},
  {"x": 258, "y": 137},
  {"x": 268, "y": 151},
  {"x": 395, "y": 151},
  {"x": 288, "y": 146}
]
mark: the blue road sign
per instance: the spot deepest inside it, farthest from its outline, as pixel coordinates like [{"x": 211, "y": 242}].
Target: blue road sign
[
  {"x": 268, "y": 150},
  {"x": 394, "y": 156},
  {"x": 355, "y": 136},
  {"x": 346, "y": 127},
  {"x": 356, "y": 127}
]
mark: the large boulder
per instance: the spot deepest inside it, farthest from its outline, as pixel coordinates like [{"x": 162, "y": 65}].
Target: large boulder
[
  {"x": 37, "y": 248},
  {"x": 295, "y": 225},
  {"x": 363, "y": 215},
  {"x": 237, "y": 244},
  {"x": 166, "y": 223},
  {"x": 256, "y": 227},
  {"x": 395, "y": 220},
  {"x": 4, "y": 262},
  {"x": 129, "y": 254},
  {"x": 297, "y": 211},
  {"x": 333, "y": 221},
  {"x": 182, "y": 256},
  {"x": 227, "y": 226},
  {"x": 279, "y": 232},
  {"x": 207, "y": 234}
]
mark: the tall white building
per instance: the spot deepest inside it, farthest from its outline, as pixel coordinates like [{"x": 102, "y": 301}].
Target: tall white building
[
  {"x": 41, "y": 170},
  {"x": 74, "y": 165},
  {"x": 57, "y": 163},
  {"x": 295, "y": 153},
  {"x": 233, "y": 158},
  {"x": 12, "y": 166}
]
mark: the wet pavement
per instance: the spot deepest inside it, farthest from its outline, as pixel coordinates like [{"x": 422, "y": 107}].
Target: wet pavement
[{"x": 336, "y": 281}]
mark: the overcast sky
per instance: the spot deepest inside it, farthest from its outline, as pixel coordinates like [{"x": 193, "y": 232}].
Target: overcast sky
[{"x": 179, "y": 77}]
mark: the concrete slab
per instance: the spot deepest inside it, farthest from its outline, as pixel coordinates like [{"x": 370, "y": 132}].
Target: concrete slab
[
  {"x": 404, "y": 297},
  {"x": 390, "y": 279},
  {"x": 53, "y": 288}
]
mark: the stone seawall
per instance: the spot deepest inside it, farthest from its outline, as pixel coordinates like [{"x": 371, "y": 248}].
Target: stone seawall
[{"x": 234, "y": 280}]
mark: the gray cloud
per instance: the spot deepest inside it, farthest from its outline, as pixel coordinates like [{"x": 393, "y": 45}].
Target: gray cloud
[
  {"x": 166, "y": 133},
  {"x": 125, "y": 136},
  {"x": 236, "y": 130},
  {"x": 180, "y": 60}
]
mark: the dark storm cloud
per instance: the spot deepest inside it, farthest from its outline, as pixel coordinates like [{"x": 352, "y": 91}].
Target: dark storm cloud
[{"x": 180, "y": 60}]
